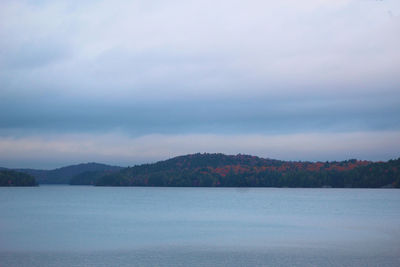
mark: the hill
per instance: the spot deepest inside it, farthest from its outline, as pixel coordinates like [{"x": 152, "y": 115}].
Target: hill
[
  {"x": 88, "y": 177},
  {"x": 13, "y": 178},
  {"x": 250, "y": 171},
  {"x": 64, "y": 175}
]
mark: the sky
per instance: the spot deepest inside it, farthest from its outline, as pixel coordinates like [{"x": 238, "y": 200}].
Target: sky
[{"x": 130, "y": 82}]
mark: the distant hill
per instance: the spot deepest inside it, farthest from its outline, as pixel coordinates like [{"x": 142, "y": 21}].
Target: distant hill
[
  {"x": 250, "y": 171},
  {"x": 89, "y": 177},
  {"x": 13, "y": 178},
  {"x": 64, "y": 175},
  {"x": 221, "y": 170}
]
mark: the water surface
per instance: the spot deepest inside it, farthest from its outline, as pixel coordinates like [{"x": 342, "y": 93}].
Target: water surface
[{"x": 142, "y": 226}]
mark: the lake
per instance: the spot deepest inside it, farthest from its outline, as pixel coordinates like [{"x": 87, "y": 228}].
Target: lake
[{"x": 143, "y": 226}]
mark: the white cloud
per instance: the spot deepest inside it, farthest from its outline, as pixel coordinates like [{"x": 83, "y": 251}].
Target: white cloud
[{"x": 137, "y": 47}]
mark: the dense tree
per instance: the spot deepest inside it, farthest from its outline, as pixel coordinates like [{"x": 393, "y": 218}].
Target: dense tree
[
  {"x": 13, "y": 178},
  {"x": 249, "y": 171}
]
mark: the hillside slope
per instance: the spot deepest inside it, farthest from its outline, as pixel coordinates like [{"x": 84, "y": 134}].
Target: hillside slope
[
  {"x": 249, "y": 171},
  {"x": 63, "y": 175}
]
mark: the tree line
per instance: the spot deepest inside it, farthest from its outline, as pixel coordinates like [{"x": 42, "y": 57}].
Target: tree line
[
  {"x": 219, "y": 170},
  {"x": 13, "y": 178}
]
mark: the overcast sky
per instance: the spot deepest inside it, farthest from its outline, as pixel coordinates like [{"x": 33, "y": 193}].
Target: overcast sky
[{"x": 128, "y": 82}]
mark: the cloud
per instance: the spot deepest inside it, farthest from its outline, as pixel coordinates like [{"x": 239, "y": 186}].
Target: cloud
[
  {"x": 230, "y": 114},
  {"x": 117, "y": 148},
  {"x": 187, "y": 68},
  {"x": 137, "y": 48}
]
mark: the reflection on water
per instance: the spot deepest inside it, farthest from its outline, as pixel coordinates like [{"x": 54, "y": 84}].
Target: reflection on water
[{"x": 83, "y": 226}]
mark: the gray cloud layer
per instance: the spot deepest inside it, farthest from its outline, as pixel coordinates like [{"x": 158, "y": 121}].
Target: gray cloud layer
[
  {"x": 266, "y": 114},
  {"x": 199, "y": 67}
]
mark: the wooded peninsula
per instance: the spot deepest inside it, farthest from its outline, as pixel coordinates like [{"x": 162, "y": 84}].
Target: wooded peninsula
[{"x": 13, "y": 178}]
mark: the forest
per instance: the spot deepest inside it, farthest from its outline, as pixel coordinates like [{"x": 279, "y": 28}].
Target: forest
[
  {"x": 219, "y": 170},
  {"x": 13, "y": 178}
]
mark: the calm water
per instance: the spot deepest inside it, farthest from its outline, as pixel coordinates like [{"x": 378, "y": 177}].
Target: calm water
[{"x": 135, "y": 226}]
